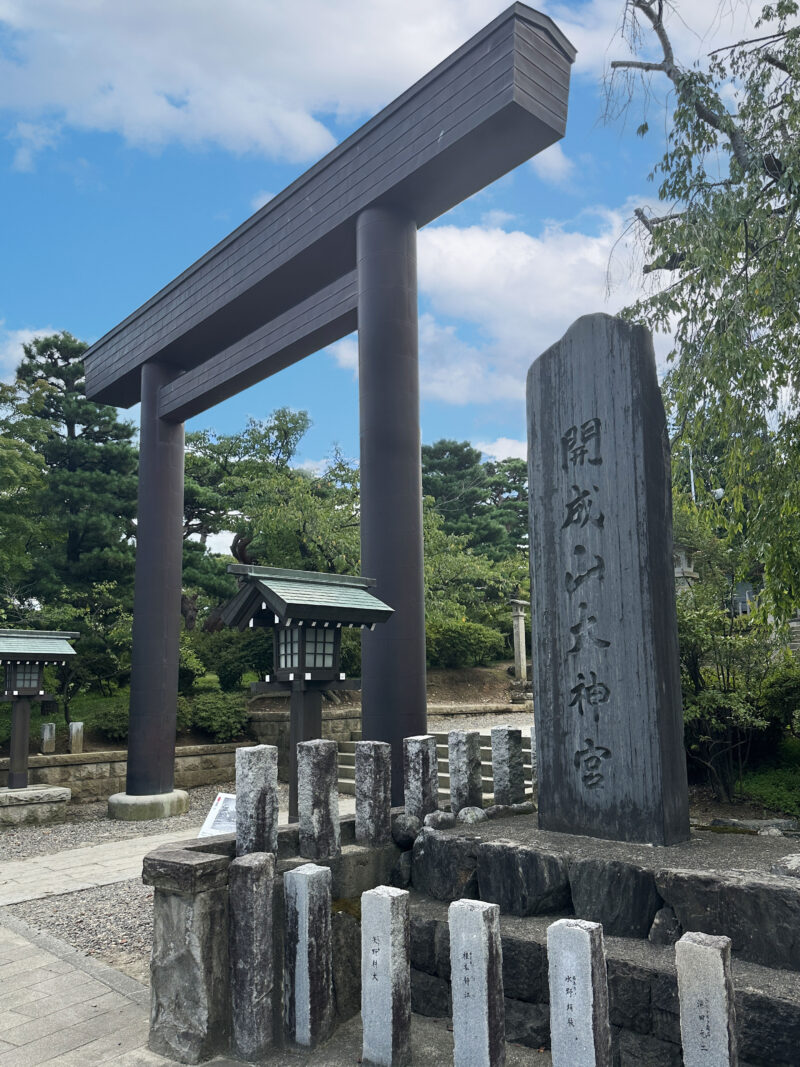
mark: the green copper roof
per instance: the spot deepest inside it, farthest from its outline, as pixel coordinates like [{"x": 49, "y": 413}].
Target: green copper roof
[
  {"x": 306, "y": 595},
  {"x": 36, "y": 644}
]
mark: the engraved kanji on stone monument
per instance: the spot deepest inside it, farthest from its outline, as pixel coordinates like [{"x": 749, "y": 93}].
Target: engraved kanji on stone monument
[{"x": 607, "y": 686}]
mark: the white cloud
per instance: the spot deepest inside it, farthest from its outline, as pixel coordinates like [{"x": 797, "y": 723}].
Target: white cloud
[
  {"x": 31, "y": 138},
  {"x": 11, "y": 342},
  {"x": 497, "y": 218},
  {"x": 517, "y": 293},
  {"x": 313, "y": 466},
  {"x": 260, "y": 199},
  {"x": 503, "y": 448},
  {"x": 553, "y": 166},
  {"x": 219, "y": 544},
  {"x": 345, "y": 352}
]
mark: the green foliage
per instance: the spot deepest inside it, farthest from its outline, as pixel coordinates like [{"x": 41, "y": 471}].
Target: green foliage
[
  {"x": 780, "y": 694},
  {"x": 185, "y": 715},
  {"x": 111, "y": 718},
  {"x": 351, "y": 653},
  {"x": 777, "y": 786},
  {"x": 190, "y": 666},
  {"x": 221, "y": 715},
  {"x": 231, "y": 654},
  {"x": 726, "y": 252},
  {"x": 458, "y": 643}
]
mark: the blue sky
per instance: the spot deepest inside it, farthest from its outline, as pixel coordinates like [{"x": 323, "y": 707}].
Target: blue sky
[{"x": 135, "y": 134}]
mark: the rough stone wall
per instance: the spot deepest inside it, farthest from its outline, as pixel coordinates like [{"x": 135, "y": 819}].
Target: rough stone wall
[{"x": 94, "y": 776}]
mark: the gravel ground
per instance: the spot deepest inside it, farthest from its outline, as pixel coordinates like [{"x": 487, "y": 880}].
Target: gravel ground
[
  {"x": 88, "y": 824},
  {"x": 443, "y": 723}
]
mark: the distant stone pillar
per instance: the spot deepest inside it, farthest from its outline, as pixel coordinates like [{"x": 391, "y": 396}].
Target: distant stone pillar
[
  {"x": 508, "y": 770},
  {"x": 48, "y": 745},
  {"x": 464, "y": 763},
  {"x": 318, "y": 799},
  {"x": 420, "y": 776},
  {"x": 373, "y": 793},
  {"x": 476, "y": 975},
  {"x": 386, "y": 977},
  {"x": 393, "y": 656},
  {"x": 156, "y": 607},
  {"x": 308, "y": 969},
  {"x": 256, "y": 799},
  {"x": 518, "y": 630},
  {"x": 76, "y": 737},
  {"x": 705, "y": 992}
]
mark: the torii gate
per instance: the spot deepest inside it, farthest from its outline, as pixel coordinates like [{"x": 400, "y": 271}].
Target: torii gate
[{"x": 334, "y": 252}]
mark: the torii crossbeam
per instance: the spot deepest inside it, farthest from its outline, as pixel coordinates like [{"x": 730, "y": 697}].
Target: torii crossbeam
[{"x": 333, "y": 252}]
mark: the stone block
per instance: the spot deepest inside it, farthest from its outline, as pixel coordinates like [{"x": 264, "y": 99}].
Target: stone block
[
  {"x": 629, "y": 997},
  {"x": 580, "y": 1032},
  {"x": 464, "y": 760},
  {"x": 523, "y": 881},
  {"x": 183, "y": 871},
  {"x": 476, "y": 970},
  {"x": 445, "y": 865},
  {"x": 346, "y": 941},
  {"x": 373, "y": 774},
  {"x": 420, "y": 775},
  {"x": 527, "y": 1024},
  {"x": 705, "y": 992},
  {"x": 635, "y": 1050},
  {"x": 405, "y": 829},
  {"x": 251, "y": 879},
  {"x": 508, "y": 774},
  {"x": 385, "y": 977},
  {"x": 422, "y": 944},
  {"x": 307, "y": 978},
  {"x": 620, "y": 896},
  {"x": 33, "y": 805},
  {"x": 525, "y": 971},
  {"x": 318, "y": 799},
  {"x": 357, "y": 869},
  {"x": 440, "y": 820},
  {"x": 48, "y": 740},
  {"x": 256, "y": 799},
  {"x": 429, "y": 995},
  {"x": 76, "y": 737}
]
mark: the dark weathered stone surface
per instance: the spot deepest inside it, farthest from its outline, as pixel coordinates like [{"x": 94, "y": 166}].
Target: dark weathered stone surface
[
  {"x": 346, "y": 941},
  {"x": 256, "y": 799},
  {"x": 469, "y": 816},
  {"x": 444, "y": 866},
  {"x": 420, "y": 775},
  {"x": 525, "y": 971},
  {"x": 189, "y": 975},
  {"x": 318, "y": 799},
  {"x": 439, "y": 820},
  {"x": 609, "y": 728},
  {"x": 464, "y": 761},
  {"x": 527, "y": 1024},
  {"x": 251, "y": 880},
  {"x": 498, "y": 811},
  {"x": 373, "y": 792},
  {"x": 405, "y": 829},
  {"x": 358, "y": 869},
  {"x": 179, "y": 871},
  {"x": 665, "y": 929},
  {"x": 760, "y": 913},
  {"x": 423, "y": 944},
  {"x": 621, "y": 896},
  {"x": 629, "y": 997},
  {"x": 637, "y": 1050},
  {"x": 400, "y": 875},
  {"x": 429, "y": 995},
  {"x": 507, "y": 768},
  {"x": 522, "y": 881}
]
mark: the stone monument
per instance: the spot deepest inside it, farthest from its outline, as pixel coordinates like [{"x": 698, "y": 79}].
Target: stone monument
[{"x": 609, "y": 727}]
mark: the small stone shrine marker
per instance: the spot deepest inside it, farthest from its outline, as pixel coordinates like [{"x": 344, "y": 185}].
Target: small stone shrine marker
[
  {"x": 385, "y": 977},
  {"x": 476, "y": 970},
  {"x": 307, "y": 974},
  {"x": 420, "y": 775},
  {"x": 705, "y": 991},
  {"x": 256, "y": 799},
  {"x": 580, "y": 1034},
  {"x": 609, "y": 727},
  {"x": 466, "y": 780},
  {"x": 48, "y": 744}
]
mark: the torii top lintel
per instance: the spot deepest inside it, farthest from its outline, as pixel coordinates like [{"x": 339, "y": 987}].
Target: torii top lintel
[{"x": 282, "y": 285}]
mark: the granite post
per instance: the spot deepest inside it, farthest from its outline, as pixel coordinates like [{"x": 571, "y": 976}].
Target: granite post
[
  {"x": 256, "y": 799},
  {"x": 386, "y": 977},
  {"x": 464, "y": 758},
  {"x": 420, "y": 775},
  {"x": 534, "y": 761},
  {"x": 705, "y": 993},
  {"x": 518, "y": 631},
  {"x": 76, "y": 737},
  {"x": 48, "y": 744},
  {"x": 250, "y": 880},
  {"x": 607, "y": 698},
  {"x": 307, "y": 965},
  {"x": 318, "y": 799},
  {"x": 476, "y": 975},
  {"x": 507, "y": 768},
  {"x": 580, "y": 1033},
  {"x": 189, "y": 968},
  {"x": 373, "y": 793}
]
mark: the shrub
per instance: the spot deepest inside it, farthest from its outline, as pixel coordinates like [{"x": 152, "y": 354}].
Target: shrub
[
  {"x": 185, "y": 719},
  {"x": 111, "y": 718},
  {"x": 780, "y": 694},
  {"x": 351, "y": 653},
  {"x": 221, "y": 715},
  {"x": 458, "y": 643},
  {"x": 231, "y": 654},
  {"x": 190, "y": 667}
]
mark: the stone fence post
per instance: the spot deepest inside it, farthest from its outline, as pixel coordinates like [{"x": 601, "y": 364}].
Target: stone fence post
[
  {"x": 420, "y": 775},
  {"x": 476, "y": 974},
  {"x": 386, "y": 977},
  {"x": 251, "y": 880},
  {"x": 705, "y": 993},
  {"x": 580, "y": 1033}
]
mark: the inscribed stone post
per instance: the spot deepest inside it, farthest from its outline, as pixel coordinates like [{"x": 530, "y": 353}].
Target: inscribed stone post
[
  {"x": 250, "y": 881},
  {"x": 420, "y": 775},
  {"x": 48, "y": 744},
  {"x": 476, "y": 975},
  {"x": 76, "y": 737},
  {"x": 518, "y": 632},
  {"x": 307, "y": 965},
  {"x": 705, "y": 992},
  {"x": 580, "y": 1033},
  {"x": 318, "y": 799},
  {"x": 464, "y": 760},
  {"x": 373, "y": 793},
  {"x": 608, "y": 705},
  {"x": 386, "y": 977},
  {"x": 256, "y": 799},
  {"x": 508, "y": 771}
]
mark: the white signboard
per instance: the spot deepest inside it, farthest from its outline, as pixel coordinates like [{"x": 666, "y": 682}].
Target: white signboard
[{"x": 221, "y": 819}]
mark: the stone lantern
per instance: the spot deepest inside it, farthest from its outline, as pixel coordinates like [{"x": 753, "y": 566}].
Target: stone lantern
[
  {"x": 307, "y": 612},
  {"x": 23, "y": 657}
]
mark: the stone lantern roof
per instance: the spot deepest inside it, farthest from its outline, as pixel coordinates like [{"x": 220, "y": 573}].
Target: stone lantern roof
[{"x": 42, "y": 646}]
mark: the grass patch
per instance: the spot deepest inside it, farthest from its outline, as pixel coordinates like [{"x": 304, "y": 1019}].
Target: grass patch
[{"x": 776, "y": 784}]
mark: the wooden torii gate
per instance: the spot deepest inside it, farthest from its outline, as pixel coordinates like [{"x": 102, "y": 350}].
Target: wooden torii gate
[{"x": 334, "y": 252}]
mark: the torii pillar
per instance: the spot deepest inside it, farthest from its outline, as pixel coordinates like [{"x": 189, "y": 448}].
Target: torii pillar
[{"x": 393, "y": 699}]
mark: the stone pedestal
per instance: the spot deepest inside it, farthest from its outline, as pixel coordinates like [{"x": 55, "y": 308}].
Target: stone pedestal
[
  {"x": 141, "y": 808},
  {"x": 33, "y": 804}
]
